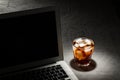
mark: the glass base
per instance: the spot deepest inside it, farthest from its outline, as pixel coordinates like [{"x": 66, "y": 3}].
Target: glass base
[
  {"x": 82, "y": 63},
  {"x": 91, "y": 65}
]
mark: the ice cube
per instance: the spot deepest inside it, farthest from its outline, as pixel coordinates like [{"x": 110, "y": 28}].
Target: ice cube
[
  {"x": 87, "y": 48},
  {"x": 82, "y": 44},
  {"x": 88, "y": 41},
  {"x": 79, "y": 40},
  {"x": 76, "y": 44}
]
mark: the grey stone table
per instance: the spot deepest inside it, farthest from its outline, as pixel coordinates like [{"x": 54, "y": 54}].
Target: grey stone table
[
  {"x": 106, "y": 56},
  {"x": 101, "y": 25},
  {"x": 106, "y": 64}
]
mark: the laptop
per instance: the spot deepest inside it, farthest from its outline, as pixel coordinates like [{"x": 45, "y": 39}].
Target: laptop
[{"x": 31, "y": 46}]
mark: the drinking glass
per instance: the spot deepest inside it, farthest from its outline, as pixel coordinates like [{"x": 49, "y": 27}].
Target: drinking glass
[{"x": 83, "y": 49}]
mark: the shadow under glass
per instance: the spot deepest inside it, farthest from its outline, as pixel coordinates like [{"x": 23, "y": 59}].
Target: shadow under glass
[{"x": 90, "y": 67}]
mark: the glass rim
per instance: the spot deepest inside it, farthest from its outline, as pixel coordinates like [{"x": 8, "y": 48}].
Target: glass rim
[{"x": 83, "y": 38}]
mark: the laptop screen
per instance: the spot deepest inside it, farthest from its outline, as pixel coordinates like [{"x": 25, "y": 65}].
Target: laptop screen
[{"x": 28, "y": 36}]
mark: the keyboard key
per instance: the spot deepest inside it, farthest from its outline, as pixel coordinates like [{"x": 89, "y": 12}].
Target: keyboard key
[{"x": 55, "y": 72}]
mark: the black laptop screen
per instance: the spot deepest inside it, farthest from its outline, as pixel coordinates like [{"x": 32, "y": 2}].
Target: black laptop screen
[{"x": 27, "y": 38}]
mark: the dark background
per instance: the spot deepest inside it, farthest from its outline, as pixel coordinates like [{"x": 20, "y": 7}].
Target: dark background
[{"x": 96, "y": 19}]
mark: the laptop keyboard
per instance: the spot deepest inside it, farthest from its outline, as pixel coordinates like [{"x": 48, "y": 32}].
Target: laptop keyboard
[{"x": 55, "y": 72}]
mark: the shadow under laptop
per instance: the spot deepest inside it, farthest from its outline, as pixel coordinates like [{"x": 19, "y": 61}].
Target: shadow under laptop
[{"x": 91, "y": 66}]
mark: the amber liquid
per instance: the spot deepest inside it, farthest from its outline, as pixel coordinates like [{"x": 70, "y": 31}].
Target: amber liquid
[{"x": 82, "y": 54}]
